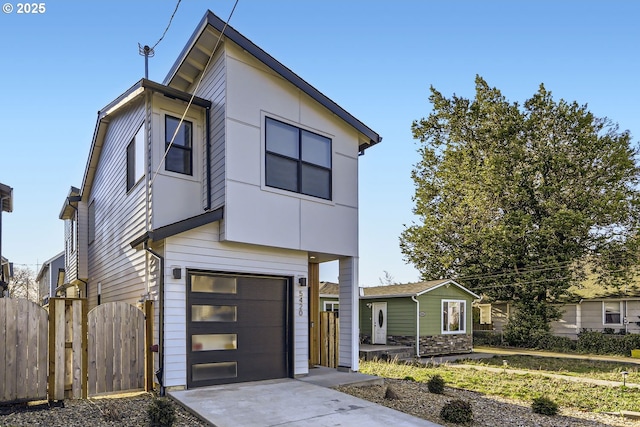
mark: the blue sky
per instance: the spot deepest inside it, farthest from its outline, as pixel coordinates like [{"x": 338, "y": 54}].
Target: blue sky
[{"x": 377, "y": 59}]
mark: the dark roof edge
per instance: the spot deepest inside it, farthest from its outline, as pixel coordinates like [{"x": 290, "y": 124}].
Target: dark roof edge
[
  {"x": 163, "y": 232},
  {"x": 246, "y": 44}
]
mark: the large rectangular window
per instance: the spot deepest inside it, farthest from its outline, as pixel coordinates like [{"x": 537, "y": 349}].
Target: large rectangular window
[
  {"x": 297, "y": 160},
  {"x": 135, "y": 159},
  {"x": 453, "y": 317},
  {"x": 612, "y": 312},
  {"x": 179, "y": 153}
]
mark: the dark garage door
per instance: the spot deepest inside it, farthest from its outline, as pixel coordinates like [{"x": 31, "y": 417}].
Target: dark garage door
[{"x": 237, "y": 328}]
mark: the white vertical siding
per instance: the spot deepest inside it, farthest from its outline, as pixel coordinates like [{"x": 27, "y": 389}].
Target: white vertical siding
[
  {"x": 119, "y": 216},
  {"x": 201, "y": 249},
  {"x": 349, "y": 297}
]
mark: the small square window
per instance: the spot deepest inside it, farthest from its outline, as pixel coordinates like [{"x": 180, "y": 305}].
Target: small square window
[{"x": 297, "y": 160}]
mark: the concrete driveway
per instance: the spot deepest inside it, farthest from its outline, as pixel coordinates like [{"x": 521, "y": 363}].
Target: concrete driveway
[{"x": 288, "y": 402}]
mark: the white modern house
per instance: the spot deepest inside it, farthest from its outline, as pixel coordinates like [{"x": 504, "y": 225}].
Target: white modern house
[{"x": 217, "y": 194}]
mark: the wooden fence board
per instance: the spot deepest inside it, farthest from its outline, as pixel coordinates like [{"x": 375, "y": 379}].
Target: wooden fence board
[
  {"x": 42, "y": 362},
  {"x": 77, "y": 353},
  {"x": 21, "y": 340},
  {"x": 59, "y": 350},
  {"x": 329, "y": 333},
  {"x": 117, "y": 364}
]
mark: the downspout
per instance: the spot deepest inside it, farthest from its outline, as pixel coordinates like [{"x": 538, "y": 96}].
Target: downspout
[
  {"x": 414, "y": 299},
  {"x": 160, "y": 371},
  {"x": 208, "y": 157}
]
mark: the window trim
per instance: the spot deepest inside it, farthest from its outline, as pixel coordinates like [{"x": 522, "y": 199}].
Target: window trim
[
  {"x": 463, "y": 329},
  {"x": 168, "y": 149},
  {"x": 604, "y": 314},
  {"x": 333, "y": 304},
  {"x": 135, "y": 159},
  {"x": 300, "y": 163}
]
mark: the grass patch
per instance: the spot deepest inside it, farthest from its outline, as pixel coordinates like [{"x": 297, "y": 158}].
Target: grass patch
[
  {"x": 596, "y": 369},
  {"x": 586, "y": 397}
]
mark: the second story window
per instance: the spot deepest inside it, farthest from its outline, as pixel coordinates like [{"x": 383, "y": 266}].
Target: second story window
[
  {"x": 180, "y": 154},
  {"x": 297, "y": 160},
  {"x": 135, "y": 159}
]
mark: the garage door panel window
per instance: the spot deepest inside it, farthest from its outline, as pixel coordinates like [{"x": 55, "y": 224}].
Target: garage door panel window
[
  {"x": 210, "y": 342},
  {"x": 297, "y": 160},
  {"x": 214, "y": 313},
  {"x": 214, "y": 371},
  {"x": 211, "y": 284},
  {"x": 453, "y": 317}
]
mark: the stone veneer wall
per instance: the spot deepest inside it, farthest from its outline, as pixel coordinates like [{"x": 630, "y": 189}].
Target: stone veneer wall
[{"x": 431, "y": 345}]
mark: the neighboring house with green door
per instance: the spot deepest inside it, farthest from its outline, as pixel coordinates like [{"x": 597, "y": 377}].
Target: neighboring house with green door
[{"x": 434, "y": 317}]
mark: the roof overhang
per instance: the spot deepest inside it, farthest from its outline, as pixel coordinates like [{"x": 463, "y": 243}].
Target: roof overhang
[
  {"x": 132, "y": 94},
  {"x": 162, "y": 233},
  {"x": 194, "y": 57},
  {"x": 70, "y": 204},
  {"x": 6, "y": 194}
]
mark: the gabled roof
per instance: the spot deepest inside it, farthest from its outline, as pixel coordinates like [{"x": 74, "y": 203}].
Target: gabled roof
[
  {"x": 46, "y": 265},
  {"x": 410, "y": 289},
  {"x": 104, "y": 116},
  {"x": 194, "y": 57},
  {"x": 68, "y": 207},
  {"x": 329, "y": 289}
]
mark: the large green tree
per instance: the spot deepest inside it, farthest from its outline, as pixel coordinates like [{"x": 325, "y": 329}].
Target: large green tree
[{"x": 515, "y": 201}]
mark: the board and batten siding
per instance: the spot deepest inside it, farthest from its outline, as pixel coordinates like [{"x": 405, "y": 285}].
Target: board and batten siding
[
  {"x": 213, "y": 88},
  {"x": 119, "y": 216},
  {"x": 285, "y": 219},
  {"x": 201, "y": 249}
]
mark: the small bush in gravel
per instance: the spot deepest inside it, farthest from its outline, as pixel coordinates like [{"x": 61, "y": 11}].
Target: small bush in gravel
[
  {"x": 457, "y": 411},
  {"x": 544, "y": 406},
  {"x": 436, "y": 384},
  {"x": 161, "y": 413},
  {"x": 409, "y": 378},
  {"x": 391, "y": 394}
]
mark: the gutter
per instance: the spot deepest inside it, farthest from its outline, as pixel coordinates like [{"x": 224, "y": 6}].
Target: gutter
[
  {"x": 414, "y": 299},
  {"x": 160, "y": 372},
  {"x": 208, "y": 156}
]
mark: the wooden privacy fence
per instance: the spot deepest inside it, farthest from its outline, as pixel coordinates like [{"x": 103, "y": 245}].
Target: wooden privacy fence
[
  {"x": 116, "y": 348},
  {"x": 23, "y": 351},
  {"x": 329, "y": 333},
  {"x": 83, "y": 353}
]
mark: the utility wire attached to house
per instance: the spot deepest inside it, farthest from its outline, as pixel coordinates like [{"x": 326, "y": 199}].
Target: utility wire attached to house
[
  {"x": 149, "y": 52},
  {"x": 193, "y": 94}
]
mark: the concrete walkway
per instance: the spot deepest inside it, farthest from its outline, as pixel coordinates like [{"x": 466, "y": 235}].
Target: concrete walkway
[{"x": 307, "y": 402}]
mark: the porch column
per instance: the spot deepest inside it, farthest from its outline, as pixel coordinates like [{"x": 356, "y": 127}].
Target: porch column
[{"x": 349, "y": 317}]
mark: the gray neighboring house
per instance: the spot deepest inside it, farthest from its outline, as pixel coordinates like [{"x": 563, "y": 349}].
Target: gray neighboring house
[
  {"x": 605, "y": 313},
  {"x": 50, "y": 276}
]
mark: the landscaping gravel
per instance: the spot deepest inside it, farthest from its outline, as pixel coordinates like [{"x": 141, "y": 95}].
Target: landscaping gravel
[
  {"x": 105, "y": 412},
  {"x": 415, "y": 399}
]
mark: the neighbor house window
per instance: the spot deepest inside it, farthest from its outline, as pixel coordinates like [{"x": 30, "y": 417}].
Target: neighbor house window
[
  {"x": 612, "y": 312},
  {"x": 297, "y": 160},
  {"x": 453, "y": 317},
  {"x": 333, "y": 306},
  {"x": 135, "y": 159},
  {"x": 179, "y": 153}
]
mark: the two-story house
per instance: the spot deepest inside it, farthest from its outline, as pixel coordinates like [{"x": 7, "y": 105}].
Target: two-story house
[
  {"x": 50, "y": 276},
  {"x": 217, "y": 194}
]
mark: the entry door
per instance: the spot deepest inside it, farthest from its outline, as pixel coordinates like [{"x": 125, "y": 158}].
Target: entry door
[{"x": 379, "y": 318}]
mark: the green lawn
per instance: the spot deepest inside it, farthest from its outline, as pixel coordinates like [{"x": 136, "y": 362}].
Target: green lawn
[
  {"x": 601, "y": 370},
  {"x": 587, "y": 397}
]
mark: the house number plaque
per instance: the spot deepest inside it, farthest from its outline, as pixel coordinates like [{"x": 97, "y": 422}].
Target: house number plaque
[{"x": 301, "y": 303}]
